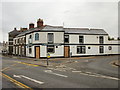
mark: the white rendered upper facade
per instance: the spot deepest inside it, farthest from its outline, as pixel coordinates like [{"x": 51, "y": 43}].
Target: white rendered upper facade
[{"x": 64, "y": 42}]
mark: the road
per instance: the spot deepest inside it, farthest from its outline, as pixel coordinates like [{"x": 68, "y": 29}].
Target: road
[{"x": 96, "y": 72}]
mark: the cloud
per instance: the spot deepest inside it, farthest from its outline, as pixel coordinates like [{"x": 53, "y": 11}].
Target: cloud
[{"x": 73, "y": 14}]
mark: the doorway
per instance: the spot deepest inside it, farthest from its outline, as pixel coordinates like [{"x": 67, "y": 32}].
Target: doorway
[
  {"x": 66, "y": 51},
  {"x": 37, "y": 52}
]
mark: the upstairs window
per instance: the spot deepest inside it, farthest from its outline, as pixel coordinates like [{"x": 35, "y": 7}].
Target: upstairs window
[
  {"x": 24, "y": 39},
  {"x": 81, "y": 39},
  {"x": 66, "y": 39},
  {"x": 15, "y": 41},
  {"x": 36, "y": 36},
  {"x": 50, "y": 38},
  {"x": 101, "y": 40},
  {"x": 30, "y": 39}
]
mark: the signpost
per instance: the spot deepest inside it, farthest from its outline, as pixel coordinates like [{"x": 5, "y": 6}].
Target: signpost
[
  {"x": 70, "y": 55},
  {"x": 48, "y": 56}
]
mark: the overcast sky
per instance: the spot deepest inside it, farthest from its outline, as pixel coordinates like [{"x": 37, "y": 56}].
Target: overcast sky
[{"x": 94, "y": 14}]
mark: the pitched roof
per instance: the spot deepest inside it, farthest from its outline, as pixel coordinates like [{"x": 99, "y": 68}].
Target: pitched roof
[
  {"x": 44, "y": 28},
  {"x": 67, "y": 30},
  {"x": 14, "y": 33},
  {"x": 85, "y": 31}
]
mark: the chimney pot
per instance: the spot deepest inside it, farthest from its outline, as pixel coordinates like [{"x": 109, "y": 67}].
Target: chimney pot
[
  {"x": 31, "y": 25},
  {"x": 39, "y": 23}
]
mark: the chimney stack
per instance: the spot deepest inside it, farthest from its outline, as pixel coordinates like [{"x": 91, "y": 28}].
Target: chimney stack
[
  {"x": 15, "y": 28},
  {"x": 31, "y": 25},
  {"x": 39, "y": 23}
]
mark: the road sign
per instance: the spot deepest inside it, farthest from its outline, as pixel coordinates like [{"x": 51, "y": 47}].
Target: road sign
[{"x": 48, "y": 55}]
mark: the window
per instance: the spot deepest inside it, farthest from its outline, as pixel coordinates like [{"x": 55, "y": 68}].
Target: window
[
  {"x": 101, "y": 49},
  {"x": 81, "y": 50},
  {"x": 17, "y": 40},
  {"x": 30, "y": 39},
  {"x": 50, "y": 38},
  {"x": 24, "y": 39},
  {"x": 30, "y": 50},
  {"x": 36, "y": 36},
  {"x": 66, "y": 39},
  {"x": 101, "y": 40},
  {"x": 10, "y": 39},
  {"x": 81, "y": 39},
  {"x": 23, "y": 52},
  {"x": 50, "y": 49},
  {"x": 10, "y": 43},
  {"x": 30, "y": 36}
]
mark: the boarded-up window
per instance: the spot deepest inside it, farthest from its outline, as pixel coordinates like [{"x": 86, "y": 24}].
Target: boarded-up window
[{"x": 50, "y": 38}]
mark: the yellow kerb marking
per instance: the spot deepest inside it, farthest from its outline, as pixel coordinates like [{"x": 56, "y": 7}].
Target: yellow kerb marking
[
  {"x": 16, "y": 82},
  {"x": 27, "y": 64},
  {"x": 7, "y": 68}
]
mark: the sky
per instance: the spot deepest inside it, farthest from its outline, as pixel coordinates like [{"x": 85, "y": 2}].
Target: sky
[{"x": 70, "y": 13}]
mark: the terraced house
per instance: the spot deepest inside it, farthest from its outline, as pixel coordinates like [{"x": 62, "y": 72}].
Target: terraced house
[{"x": 62, "y": 42}]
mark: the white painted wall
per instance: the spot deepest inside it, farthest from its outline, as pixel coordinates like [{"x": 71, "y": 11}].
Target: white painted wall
[
  {"x": 58, "y": 37},
  {"x": 73, "y": 39},
  {"x": 58, "y": 51},
  {"x": 94, "y": 50},
  {"x": 88, "y": 39},
  {"x": 43, "y": 51},
  {"x": 27, "y": 52},
  {"x": 91, "y": 39}
]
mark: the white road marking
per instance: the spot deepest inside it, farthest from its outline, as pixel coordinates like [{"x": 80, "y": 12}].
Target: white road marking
[
  {"x": 50, "y": 72},
  {"x": 17, "y": 76},
  {"x": 36, "y": 81},
  {"x": 76, "y": 71},
  {"x": 96, "y": 75}
]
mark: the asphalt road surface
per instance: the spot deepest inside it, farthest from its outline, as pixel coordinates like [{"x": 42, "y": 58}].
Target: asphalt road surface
[{"x": 97, "y": 72}]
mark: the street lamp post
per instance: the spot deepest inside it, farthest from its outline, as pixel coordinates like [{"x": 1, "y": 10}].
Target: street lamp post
[{"x": 48, "y": 56}]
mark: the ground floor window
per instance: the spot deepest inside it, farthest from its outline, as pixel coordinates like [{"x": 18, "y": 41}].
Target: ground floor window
[
  {"x": 81, "y": 50},
  {"x": 23, "y": 50},
  {"x": 30, "y": 50},
  {"x": 101, "y": 49},
  {"x": 50, "y": 49},
  {"x": 16, "y": 50}
]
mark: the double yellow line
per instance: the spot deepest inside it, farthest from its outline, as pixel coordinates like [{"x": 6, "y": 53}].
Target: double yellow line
[
  {"x": 27, "y": 64},
  {"x": 16, "y": 82}
]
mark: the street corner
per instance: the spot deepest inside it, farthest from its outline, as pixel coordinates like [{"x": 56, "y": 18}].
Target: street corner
[{"x": 115, "y": 63}]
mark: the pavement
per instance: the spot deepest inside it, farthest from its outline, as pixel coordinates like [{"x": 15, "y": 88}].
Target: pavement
[{"x": 43, "y": 62}]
